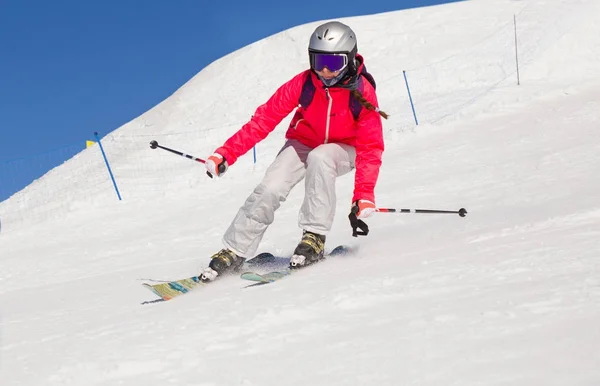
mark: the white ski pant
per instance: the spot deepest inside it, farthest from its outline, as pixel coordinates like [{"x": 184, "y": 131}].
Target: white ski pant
[{"x": 319, "y": 167}]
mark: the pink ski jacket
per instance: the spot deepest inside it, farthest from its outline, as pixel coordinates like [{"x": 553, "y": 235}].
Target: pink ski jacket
[{"x": 327, "y": 119}]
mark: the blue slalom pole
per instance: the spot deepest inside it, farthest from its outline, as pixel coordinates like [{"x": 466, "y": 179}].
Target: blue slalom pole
[
  {"x": 108, "y": 165},
  {"x": 410, "y": 98}
]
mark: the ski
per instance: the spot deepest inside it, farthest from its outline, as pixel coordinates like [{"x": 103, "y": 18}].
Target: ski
[
  {"x": 273, "y": 276},
  {"x": 167, "y": 290},
  {"x": 265, "y": 278},
  {"x": 170, "y": 289}
]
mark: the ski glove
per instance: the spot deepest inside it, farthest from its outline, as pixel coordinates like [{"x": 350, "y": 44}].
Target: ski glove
[
  {"x": 360, "y": 209},
  {"x": 363, "y": 208},
  {"x": 216, "y": 165}
]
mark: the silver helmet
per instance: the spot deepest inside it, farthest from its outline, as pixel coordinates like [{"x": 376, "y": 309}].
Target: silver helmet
[{"x": 334, "y": 38}]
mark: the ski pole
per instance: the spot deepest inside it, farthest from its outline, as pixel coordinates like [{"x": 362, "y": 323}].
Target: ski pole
[
  {"x": 462, "y": 212},
  {"x": 154, "y": 145}
]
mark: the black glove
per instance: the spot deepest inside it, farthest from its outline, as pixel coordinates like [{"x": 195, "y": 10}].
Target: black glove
[{"x": 359, "y": 227}]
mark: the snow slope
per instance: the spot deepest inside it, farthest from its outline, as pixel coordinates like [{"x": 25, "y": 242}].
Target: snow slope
[{"x": 508, "y": 295}]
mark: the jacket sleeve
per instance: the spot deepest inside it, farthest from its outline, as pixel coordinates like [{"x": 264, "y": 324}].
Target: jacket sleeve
[
  {"x": 265, "y": 119},
  {"x": 369, "y": 149}
]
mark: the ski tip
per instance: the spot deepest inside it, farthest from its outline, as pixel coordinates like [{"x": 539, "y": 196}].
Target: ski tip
[
  {"x": 342, "y": 250},
  {"x": 155, "y": 292},
  {"x": 253, "y": 276}
]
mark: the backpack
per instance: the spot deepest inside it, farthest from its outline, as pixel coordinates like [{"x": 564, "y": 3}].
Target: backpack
[{"x": 308, "y": 92}]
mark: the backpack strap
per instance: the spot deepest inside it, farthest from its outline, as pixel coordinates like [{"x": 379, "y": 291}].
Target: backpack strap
[
  {"x": 308, "y": 91},
  {"x": 368, "y": 76},
  {"x": 355, "y": 105}
]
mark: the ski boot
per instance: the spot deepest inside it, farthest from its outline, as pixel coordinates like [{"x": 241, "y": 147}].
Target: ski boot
[
  {"x": 310, "y": 250},
  {"x": 223, "y": 262}
]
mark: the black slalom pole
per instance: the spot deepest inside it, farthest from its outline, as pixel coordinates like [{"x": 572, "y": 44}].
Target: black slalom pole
[
  {"x": 154, "y": 145},
  {"x": 462, "y": 212}
]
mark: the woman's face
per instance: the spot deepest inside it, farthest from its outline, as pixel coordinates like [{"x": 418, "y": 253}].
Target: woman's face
[{"x": 326, "y": 74}]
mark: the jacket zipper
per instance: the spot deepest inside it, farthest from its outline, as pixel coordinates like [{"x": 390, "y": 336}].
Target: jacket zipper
[
  {"x": 296, "y": 125},
  {"x": 330, "y": 99}
]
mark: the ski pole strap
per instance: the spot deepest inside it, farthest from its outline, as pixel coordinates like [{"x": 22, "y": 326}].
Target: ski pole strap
[{"x": 359, "y": 227}]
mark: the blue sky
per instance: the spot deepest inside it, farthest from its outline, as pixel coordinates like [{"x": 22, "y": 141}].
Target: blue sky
[{"x": 71, "y": 67}]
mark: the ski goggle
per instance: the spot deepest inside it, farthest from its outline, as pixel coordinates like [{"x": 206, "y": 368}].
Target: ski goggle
[{"x": 333, "y": 62}]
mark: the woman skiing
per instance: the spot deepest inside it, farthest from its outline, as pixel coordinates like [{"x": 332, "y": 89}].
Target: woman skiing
[{"x": 337, "y": 127}]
